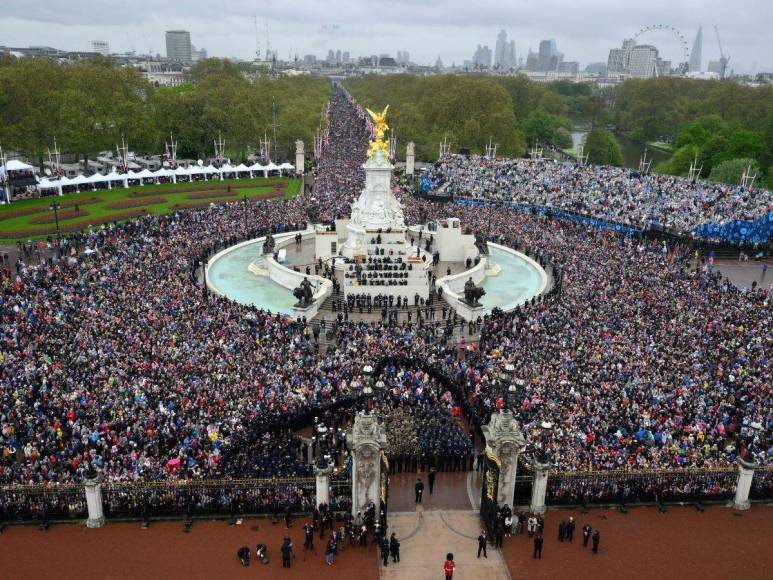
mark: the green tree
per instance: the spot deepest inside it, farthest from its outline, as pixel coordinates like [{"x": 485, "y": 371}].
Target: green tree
[
  {"x": 731, "y": 171},
  {"x": 602, "y": 148}
]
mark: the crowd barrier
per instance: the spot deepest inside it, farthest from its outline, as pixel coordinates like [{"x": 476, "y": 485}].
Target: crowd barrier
[
  {"x": 641, "y": 486},
  {"x": 736, "y": 235},
  {"x": 40, "y": 503}
]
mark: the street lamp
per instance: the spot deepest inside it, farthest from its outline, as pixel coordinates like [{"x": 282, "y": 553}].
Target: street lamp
[
  {"x": 507, "y": 375},
  {"x": 544, "y": 431},
  {"x": 56, "y": 207},
  {"x": 367, "y": 387}
]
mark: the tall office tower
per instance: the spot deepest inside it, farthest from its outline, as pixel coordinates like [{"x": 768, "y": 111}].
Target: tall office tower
[
  {"x": 482, "y": 57},
  {"x": 643, "y": 61},
  {"x": 178, "y": 46},
  {"x": 512, "y": 62},
  {"x": 100, "y": 47},
  {"x": 331, "y": 56},
  {"x": 499, "y": 49},
  {"x": 696, "y": 56},
  {"x": 338, "y": 56},
  {"x": 345, "y": 57}
]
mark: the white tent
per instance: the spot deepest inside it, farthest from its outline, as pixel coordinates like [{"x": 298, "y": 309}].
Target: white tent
[
  {"x": 97, "y": 178},
  {"x": 15, "y": 165},
  {"x": 131, "y": 174},
  {"x": 114, "y": 176},
  {"x": 226, "y": 168},
  {"x": 146, "y": 174},
  {"x": 241, "y": 168},
  {"x": 195, "y": 170},
  {"x": 80, "y": 179},
  {"x": 286, "y": 165},
  {"x": 271, "y": 167},
  {"x": 46, "y": 184}
]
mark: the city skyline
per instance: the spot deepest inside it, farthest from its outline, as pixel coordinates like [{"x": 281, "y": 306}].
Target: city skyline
[{"x": 423, "y": 29}]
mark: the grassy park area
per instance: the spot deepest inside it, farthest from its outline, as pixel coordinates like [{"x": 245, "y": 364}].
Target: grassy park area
[{"x": 34, "y": 218}]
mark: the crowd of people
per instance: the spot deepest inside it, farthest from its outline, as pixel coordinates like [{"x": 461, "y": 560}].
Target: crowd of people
[
  {"x": 115, "y": 359},
  {"x": 611, "y": 193}
]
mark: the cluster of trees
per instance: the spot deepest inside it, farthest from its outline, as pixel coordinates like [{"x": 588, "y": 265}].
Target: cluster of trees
[
  {"x": 466, "y": 110},
  {"x": 725, "y": 125},
  {"x": 88, "y": 106},
  {"x": 723, "y": 150},
  {"x": 471, "y": 109}
]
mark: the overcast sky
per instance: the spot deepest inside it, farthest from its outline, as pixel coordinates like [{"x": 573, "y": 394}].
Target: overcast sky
[{"x": 584, "y": 30}]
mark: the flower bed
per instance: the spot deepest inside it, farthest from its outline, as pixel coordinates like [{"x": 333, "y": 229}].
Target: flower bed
[
  {"x": 50, "y": 217},
  {"x": 74, "y": 226},
  {"x": 129, "y": 203}
]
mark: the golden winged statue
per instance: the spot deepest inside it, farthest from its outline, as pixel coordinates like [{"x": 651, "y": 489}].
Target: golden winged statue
[{"x": 379, "y": 128}]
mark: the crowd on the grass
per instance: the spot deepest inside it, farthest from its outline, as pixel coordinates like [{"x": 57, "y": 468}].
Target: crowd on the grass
[
  {"x": 117, "y": 360},
  {"x": 611, "y": 193}
]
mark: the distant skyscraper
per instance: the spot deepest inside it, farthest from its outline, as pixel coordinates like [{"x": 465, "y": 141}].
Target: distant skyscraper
[
  {"x": 345, "y": 57},
  {"x": 548, "y": 58},
  {"x": 696, "y": 56},
  {"x": 178, "y": 46},
  {"x": 100, "y": 47},
  {"x": 338, "y": 56},
  {"x": 439, "y": 63},
  {"x": 331, "y": 56},
  {"x": 198, "y": 55},
  {"x": 499, "y": 49},
  {"x": 482, "y": 57},
  {"x": 504, "y": 52}
]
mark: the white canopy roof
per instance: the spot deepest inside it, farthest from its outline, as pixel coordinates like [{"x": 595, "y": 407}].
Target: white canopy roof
[
  {"x": 97, "y": 178},
  {"x": 195, "y": 170},
  {"x": 132, "y": 174},
  {"x": 115, "y": 176},
  {"x": 256, "y": 167},
  {"x": 272, "y": 167},
  {"x": 210, "y": 169},
  {"x": 146, "y": 174},
  {"x": 287, "y": 165},
  {"x": 16, "y": 165},
  {"x": 226, "y": 168},
  {"x": 46, "y": 184},
  {"x": 181, "y": 171},
  {"x": 163, "y": 172},
  {"x": 80, "y": 179},
  {"x": 64, "y": 180},
  {"x": 241, "y": 167}
]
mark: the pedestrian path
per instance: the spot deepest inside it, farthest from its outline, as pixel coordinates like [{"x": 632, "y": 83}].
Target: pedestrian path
[{"x": 427, "y": 536}]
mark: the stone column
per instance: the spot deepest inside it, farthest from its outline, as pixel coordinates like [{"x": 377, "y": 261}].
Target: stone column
[
  {"x": 744, "y": 485},
  {"x": 409, "y": 158},
  {"x": 540, "y": 487},
  {"x": 504, "y": 439},
  {"x": 366, "y": 439},
  {"x": 299, "y": 157},
  {"x": 93, "y": 487},
  {"x": 323, "y": 484}
]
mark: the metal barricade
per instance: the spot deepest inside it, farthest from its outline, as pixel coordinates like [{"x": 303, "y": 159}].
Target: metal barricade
[
  {"x": 42, "y": 503},
  {"x": 633, "y": 486}
]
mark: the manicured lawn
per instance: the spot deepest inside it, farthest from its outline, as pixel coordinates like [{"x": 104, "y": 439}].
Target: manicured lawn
[{"x": 104, "y": 206}]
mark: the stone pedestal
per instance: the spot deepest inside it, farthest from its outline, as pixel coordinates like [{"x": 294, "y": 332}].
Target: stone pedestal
[
  {"x": 744, "y": 485},
  {"x": 540, "y": 487},
  {"x": 93, "y": 487},
  {"x": 366, "y": 439},
  {"x": 299, "y": 157},
  {"x": 409, "y": 159},
  {"x": 323, "y": 484},
  {"x": 504, "y": 439}
]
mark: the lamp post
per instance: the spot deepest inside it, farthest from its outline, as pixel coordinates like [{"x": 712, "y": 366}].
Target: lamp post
[
  {"x": 367, "y": 387},
  {"x": 544, "y": 431},
  {"x": 56, "y": 207}
]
